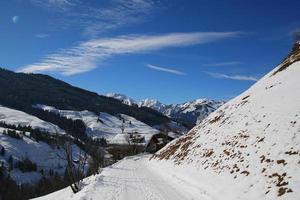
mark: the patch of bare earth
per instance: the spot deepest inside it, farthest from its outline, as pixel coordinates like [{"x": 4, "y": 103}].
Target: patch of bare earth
[
  {"x": 294, "y": 56},
  {"x": 217, "y": 118},
  {"x": 181, "y": 145}
]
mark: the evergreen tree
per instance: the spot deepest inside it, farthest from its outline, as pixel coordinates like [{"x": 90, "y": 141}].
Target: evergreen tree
[
  {"x": 2, "y": 152},
  {"x": 10, "y": 163}
]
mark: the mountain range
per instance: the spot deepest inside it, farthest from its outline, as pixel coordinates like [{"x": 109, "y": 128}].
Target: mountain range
[
  {"x": 190, "y": 113},
  {"x": 20, "y": 91}
]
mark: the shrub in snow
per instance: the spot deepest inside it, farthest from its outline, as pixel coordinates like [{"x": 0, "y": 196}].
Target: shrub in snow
[{"x": 26, "y": 165}]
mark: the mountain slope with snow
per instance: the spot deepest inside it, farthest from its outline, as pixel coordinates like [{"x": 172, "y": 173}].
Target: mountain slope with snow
[
  {"x": 44, "y": 155},
  {"x": 191, "y": 112},
  {"x": 20, "y": 91},
  {"x": 253, "y": 141},
  {"x": 105, "y": 125},
  {"x": 15, "y": 117}
]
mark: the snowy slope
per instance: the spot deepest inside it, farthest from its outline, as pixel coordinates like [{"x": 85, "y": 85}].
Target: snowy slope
[
  {"x": 192, "y": 111},
  {"x": 15, "y": 117},
  {"x": 106, "y": 125},
  {"x": 253, "y": 141},
  {"x": 45, "y": 156}
]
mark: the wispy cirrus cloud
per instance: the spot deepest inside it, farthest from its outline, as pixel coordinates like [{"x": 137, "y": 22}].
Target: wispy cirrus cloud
[
  {"x": 87, "y": 55},
  {"x": 41, "y": 35},
  {"x": 60, "y": 5},
  {"x": 94, "y": 19},
  {"x": 232, "y": 77},
  {"x": 165, "y": 69},
  {"x": 217, "y": 64}
]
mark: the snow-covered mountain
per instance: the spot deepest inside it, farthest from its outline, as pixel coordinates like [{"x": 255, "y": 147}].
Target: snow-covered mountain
[
  {"x": 250, "y": 147},
  {"x": 154, "y": 104},
  {"x": 189, "y": 112},
  {"x": 105, "y": 125},
  {"x": 193, "y": 111},
  {"x": 247, "y": 149},
  {"x": 126, "y": 100}
]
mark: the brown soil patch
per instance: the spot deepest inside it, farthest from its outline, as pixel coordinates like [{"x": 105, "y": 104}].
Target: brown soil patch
[{"x": 294, "y": 56}]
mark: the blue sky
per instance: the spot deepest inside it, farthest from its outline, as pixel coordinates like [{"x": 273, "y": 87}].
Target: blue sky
[{"x": 170, "y": 50}]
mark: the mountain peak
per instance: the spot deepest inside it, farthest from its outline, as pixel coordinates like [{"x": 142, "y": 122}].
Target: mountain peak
[
  {"x": 190, "y": 112},
  {"x": 123, "y": 98}
]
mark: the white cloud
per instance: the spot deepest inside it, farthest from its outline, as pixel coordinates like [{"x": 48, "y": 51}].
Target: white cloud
[
  {"x": 232, "y": 77},
  {"x": 94, "y": 19},
  {"x": 164, "y": 69},
  {"x": 41, "y": 35},
  {"x": 222, "y": 64},
  {"x": 60, "y": 5},
  {"x": 87, "y": 55}
]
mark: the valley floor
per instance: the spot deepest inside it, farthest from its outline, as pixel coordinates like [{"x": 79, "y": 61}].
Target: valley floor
[{"x": 133, "y": 178}]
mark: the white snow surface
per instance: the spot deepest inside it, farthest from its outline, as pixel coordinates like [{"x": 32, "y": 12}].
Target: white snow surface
[
  {"x": 106, "y": 125},
  {"x": 16, "y": 117},
  {"x": 253, "y": 141},
  {"x": 135, "y": 178}
]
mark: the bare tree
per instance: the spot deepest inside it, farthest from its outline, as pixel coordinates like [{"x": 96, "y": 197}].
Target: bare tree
[
  {"x": 133, "y": 140},
  {"x": 75, "y": 167},
  {"x": 96, "y": 159},
  {"x": 122, "y": 127}
]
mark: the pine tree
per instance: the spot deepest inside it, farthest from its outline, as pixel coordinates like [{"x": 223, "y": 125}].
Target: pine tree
[
  {"x": 10, "y": 163},
  {"x": 2, "y": 151}
]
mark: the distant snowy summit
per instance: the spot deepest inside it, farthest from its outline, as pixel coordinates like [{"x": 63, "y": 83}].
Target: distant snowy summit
[
  {"x": 123, "y": 98},
  {"x": 191, "y": 112}
]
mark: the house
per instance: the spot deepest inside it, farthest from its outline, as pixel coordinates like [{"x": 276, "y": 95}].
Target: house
[{"x": 157, "y": 142}]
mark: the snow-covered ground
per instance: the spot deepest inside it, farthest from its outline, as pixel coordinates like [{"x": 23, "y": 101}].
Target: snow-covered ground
[
  {"x": 45, "y": 156},
  {"x": 106, "y": 125},
  {"x": 135, "y": 178},
  {"x": 15, "y": 117}
]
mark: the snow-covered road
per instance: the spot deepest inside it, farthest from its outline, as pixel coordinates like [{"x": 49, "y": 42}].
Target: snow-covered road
[{"x": 133, "y": 178}]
